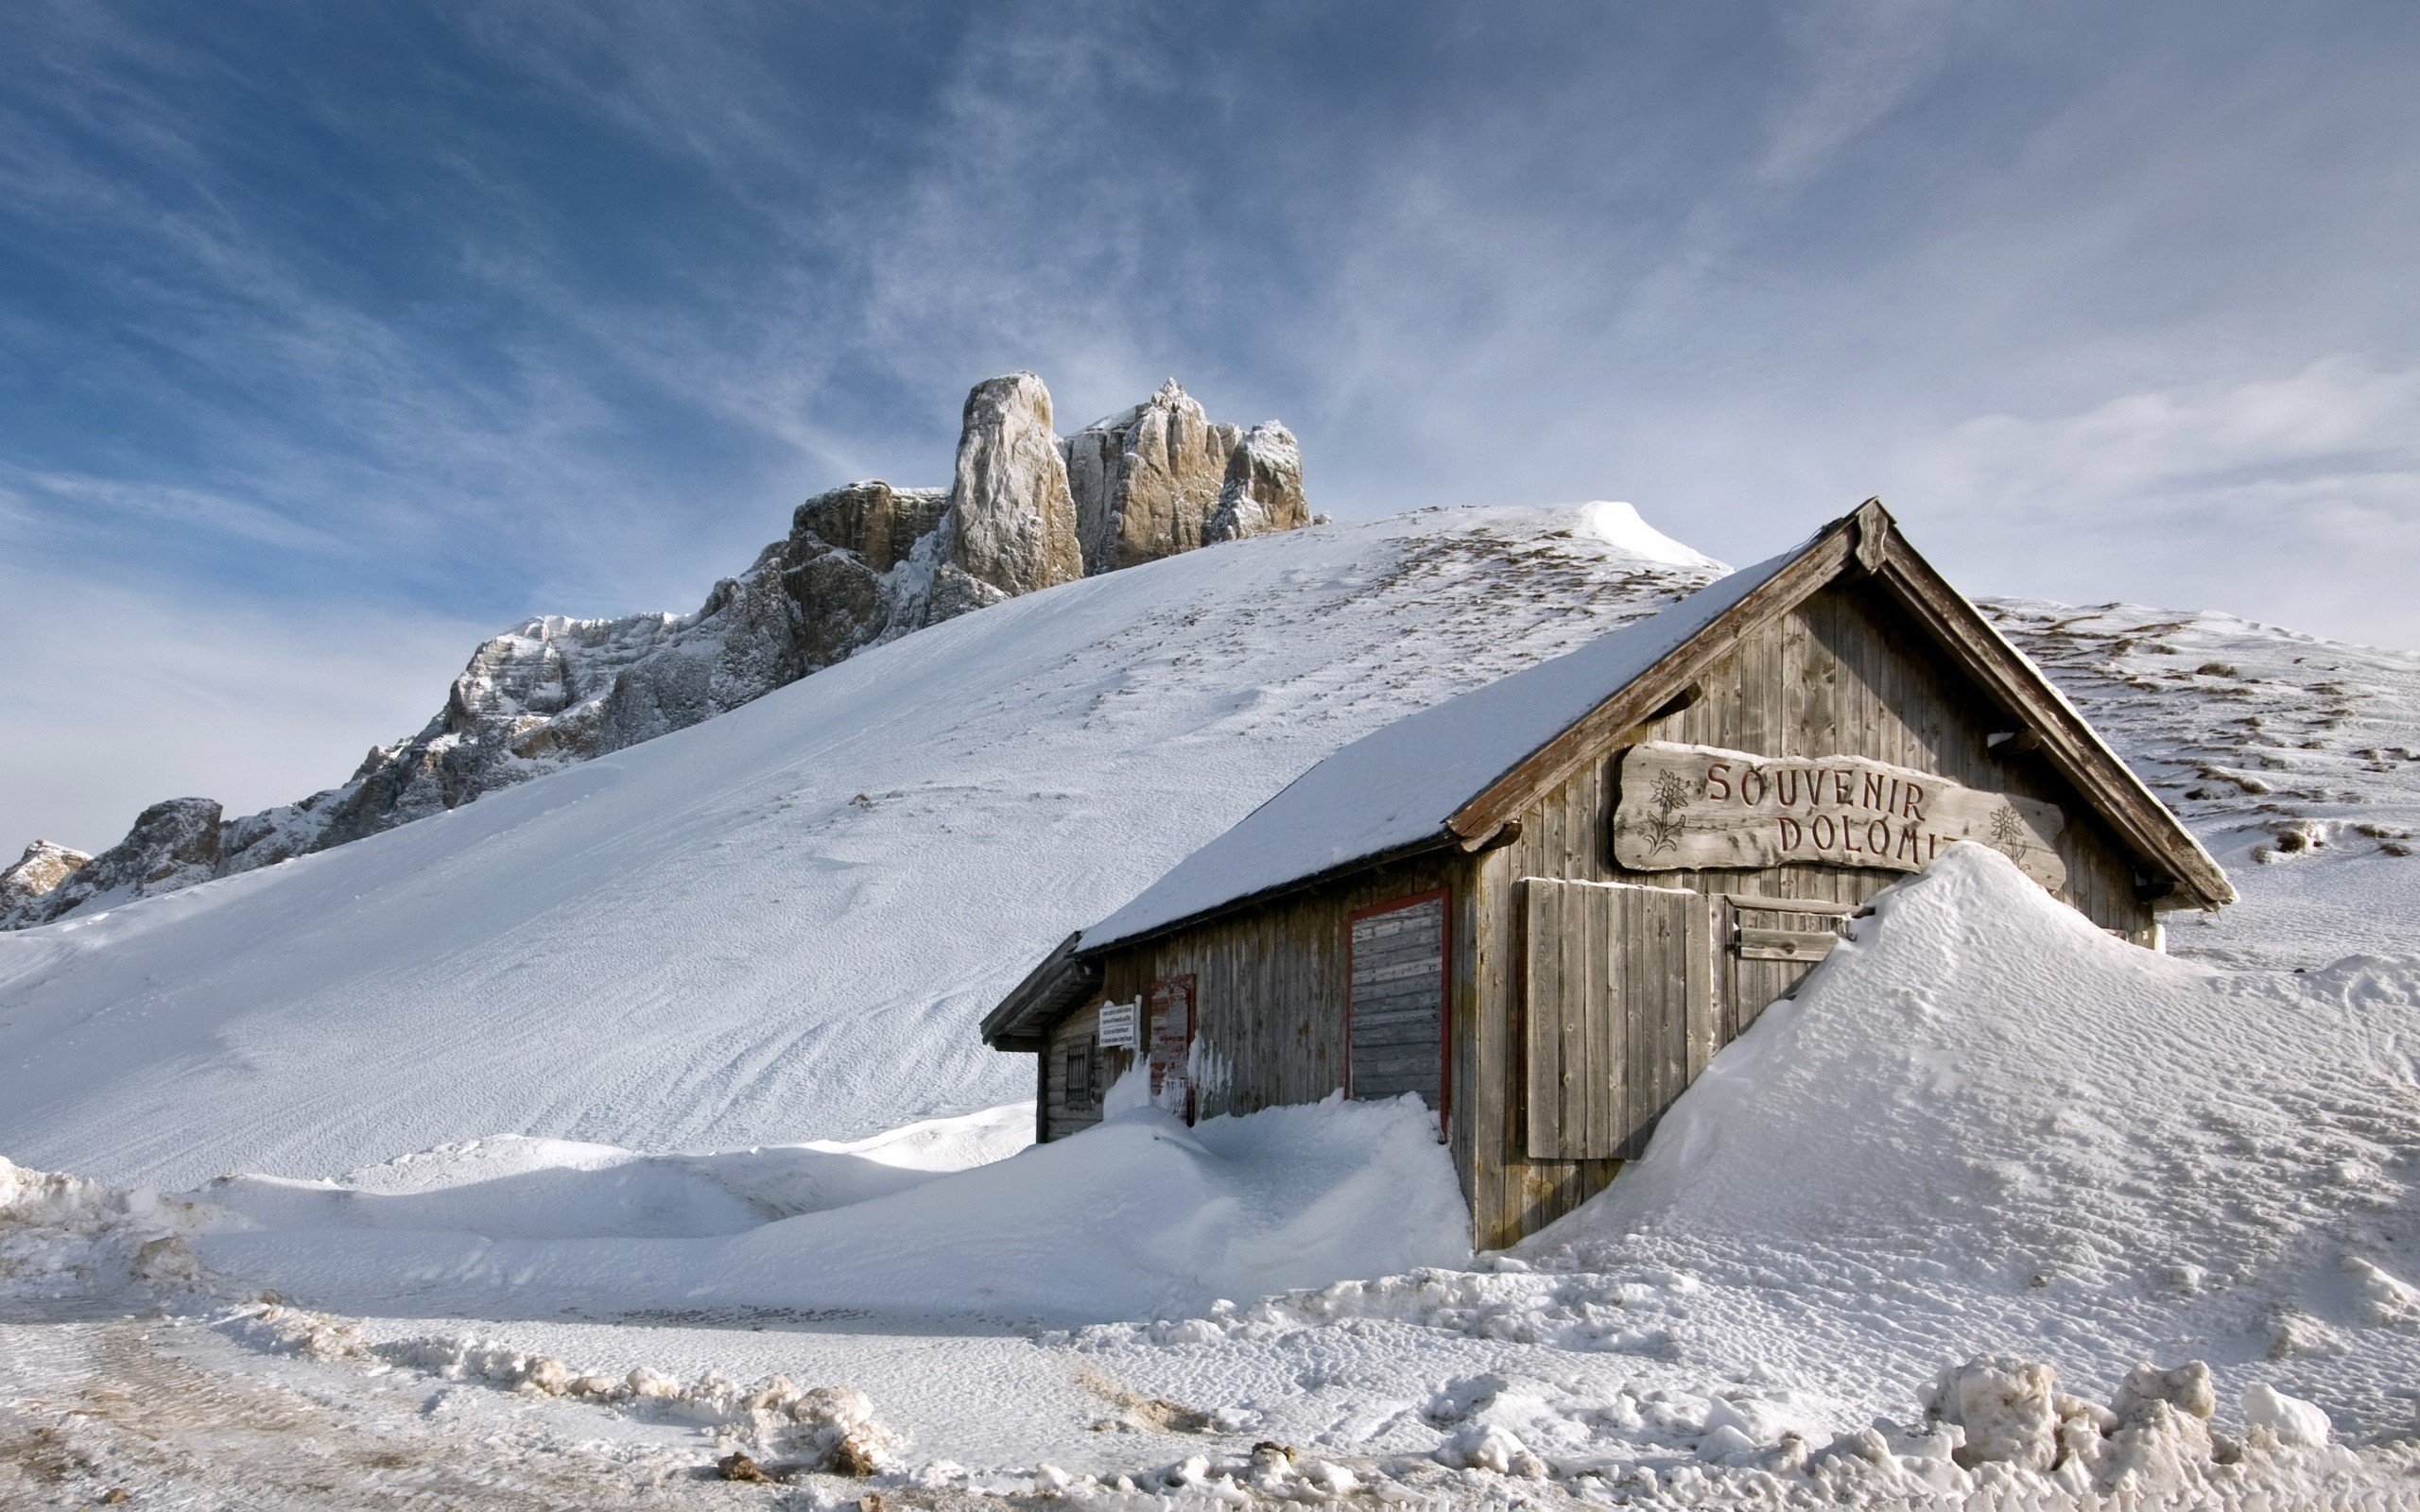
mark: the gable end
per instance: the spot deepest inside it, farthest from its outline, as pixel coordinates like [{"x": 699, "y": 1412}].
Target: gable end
[{"x": 1866, "y": 548}]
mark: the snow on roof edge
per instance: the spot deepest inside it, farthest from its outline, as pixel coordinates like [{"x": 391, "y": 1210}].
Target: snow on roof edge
[{"x": 1395, "y": 786}]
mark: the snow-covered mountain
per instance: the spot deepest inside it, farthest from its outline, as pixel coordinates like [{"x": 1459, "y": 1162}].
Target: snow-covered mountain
[
  {"x": 784, "y": 922},
  {"x": 1982, "y": 1127},
  {"x": 861, "y": 564}
]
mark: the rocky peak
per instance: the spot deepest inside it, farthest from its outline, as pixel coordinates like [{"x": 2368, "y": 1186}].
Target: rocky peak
[
  {"x": 1011, "y": 524},
  {"x": 173, "y": 845},
  {"x": 1147, "y": 482},
  {"x": 876, "y": 523},
  {"x": 1263, "y": 489},
  {"x": 44, "y": 867},
  {"x": 863, "y": 563}
]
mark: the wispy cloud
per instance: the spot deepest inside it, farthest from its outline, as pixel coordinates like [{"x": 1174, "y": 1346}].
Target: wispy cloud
[
  {"x": 463, "y": 313},
  {"x": 120, "y": 693},
  {"x": 2289, "y": 481}
]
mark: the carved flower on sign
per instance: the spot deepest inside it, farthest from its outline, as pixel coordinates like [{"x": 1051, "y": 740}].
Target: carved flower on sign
[
  {"x": 1669, "y": 796},
  {"x": 2008, "y": 830}
]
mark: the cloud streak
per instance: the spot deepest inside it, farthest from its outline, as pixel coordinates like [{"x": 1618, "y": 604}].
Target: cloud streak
[{"x": 436, "y": 317}]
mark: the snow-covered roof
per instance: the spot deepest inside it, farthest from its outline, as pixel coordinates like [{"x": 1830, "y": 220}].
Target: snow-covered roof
[{"x": 1394, "y": 787}]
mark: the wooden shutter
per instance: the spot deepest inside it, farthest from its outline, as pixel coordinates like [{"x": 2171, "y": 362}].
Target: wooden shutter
[
  {"x": 1080, "y": 1092},
  {"x": 1619, "y": 1009},
  {"x": 1396, "y": 982}
]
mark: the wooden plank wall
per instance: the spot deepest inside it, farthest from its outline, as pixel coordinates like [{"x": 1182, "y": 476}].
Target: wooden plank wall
[
  {"x": 1839, "y": 675},
  {"x": 1269, "y": 1011},
  {"x": 1058, "y": 1118},
  {"x": 1745, "y": 985}
]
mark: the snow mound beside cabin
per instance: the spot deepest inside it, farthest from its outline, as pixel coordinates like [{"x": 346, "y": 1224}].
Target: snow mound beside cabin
[
  {"x": 1985, "y": 1125},
  {"x": 1138, "y": 1216},
  {"x": 513, "y": 1186}
]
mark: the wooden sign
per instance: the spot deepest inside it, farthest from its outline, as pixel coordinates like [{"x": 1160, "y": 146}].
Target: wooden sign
[
  {"x": 1687, "y": 807},
  {"x": 1121, "y": 1025}
]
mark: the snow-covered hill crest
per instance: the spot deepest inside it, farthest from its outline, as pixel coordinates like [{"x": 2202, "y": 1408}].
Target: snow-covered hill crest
[
  {"x": 782, "y": 924},
  {"x": 862, "y": 564}
]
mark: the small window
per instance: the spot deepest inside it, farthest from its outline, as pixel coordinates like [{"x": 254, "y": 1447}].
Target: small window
[{"x": 1078, "y": 1080}]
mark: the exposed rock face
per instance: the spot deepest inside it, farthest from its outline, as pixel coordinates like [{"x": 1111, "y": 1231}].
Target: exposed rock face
[
  {"x": 1147, "y": 482},
  {"x": 1011, "y": 526},
  {"x": 172, "y": 844},
  {"x": 1263, "y": 491},
  {"x": 1162, "y": 478},
  {"x": 861, "y": 564},
  {"x": 43, "y": 867}
]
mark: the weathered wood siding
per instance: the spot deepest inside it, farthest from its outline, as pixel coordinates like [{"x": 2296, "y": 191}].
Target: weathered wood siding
[
  {"x": 1617, "y": 1004},
  {"x": 1059, "y": 1117},
  {"x": 1270, "y": 990},
  {"x": 1840, "y": 675},
  {"x": 1397, "y": 959}
]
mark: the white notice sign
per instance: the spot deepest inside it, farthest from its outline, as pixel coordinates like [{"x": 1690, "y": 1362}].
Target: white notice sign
[
  {"x": 1121, "y": 1025},
  {"x": 1685, "y": 807}
]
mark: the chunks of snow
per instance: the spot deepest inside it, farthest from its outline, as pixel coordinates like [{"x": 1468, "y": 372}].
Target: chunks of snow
[
  {"x": 2287, "y": 1423},
  {"x": 1492, "y": 1447},
  {"x": 2387, "y": 1301},
  {"x": 820, "y": 1428},
  {"x": 2187, "y": 1388},
  {"x": 2006, "y": 1407},
  {"x": 63, "y": 1236}
]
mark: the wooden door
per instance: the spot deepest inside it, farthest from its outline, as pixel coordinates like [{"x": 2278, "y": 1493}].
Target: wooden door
[
  {"x": 1397, "y": 1036},
  {"x": 1617, "y": 1011},
  {"x": 1769, "y": 945}
]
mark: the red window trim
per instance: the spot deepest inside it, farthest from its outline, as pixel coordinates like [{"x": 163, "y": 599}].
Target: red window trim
[{"x": 1444, "y": 991}]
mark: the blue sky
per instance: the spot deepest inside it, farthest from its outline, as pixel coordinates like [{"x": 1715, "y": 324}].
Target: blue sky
[{"x": 333, "y": 337}]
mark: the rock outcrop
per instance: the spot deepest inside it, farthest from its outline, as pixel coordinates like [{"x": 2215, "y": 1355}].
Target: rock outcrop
[
  {"x": 1263, "y": 491},
  {"x": 1010, "y": 525},
  {"x": 172, "y": 844},
  {"x": 862, "y": 564},
  {"x": 1160, "y": 478},
  {"x": 43, "y": 867}
]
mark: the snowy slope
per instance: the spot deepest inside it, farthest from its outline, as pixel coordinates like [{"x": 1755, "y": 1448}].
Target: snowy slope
[
  {"x": 2295, "y": 760},
  {"x": 783, "y": 923},
  {"x": 1982, "y": 1125}
]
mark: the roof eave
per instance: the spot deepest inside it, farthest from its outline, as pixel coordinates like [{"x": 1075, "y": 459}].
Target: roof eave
[
  {"x": 2146, "y": 826},
  {"x": 1868, "y": 541},
  {"x": 1024, "y": 1019}
]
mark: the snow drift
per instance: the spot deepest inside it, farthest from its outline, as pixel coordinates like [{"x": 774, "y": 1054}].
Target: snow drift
[
  {"x": 1134, "y": 1217},
  {"x": 518, "y": 1188},
  {"x": 1983, "y": 1124}
]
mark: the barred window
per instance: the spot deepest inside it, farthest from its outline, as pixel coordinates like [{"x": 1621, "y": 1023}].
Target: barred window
[{"x": 1078, "y": 1079}]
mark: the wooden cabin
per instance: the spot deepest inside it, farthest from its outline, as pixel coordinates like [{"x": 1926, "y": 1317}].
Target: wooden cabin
[{"x": 1545, "y": 903}]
